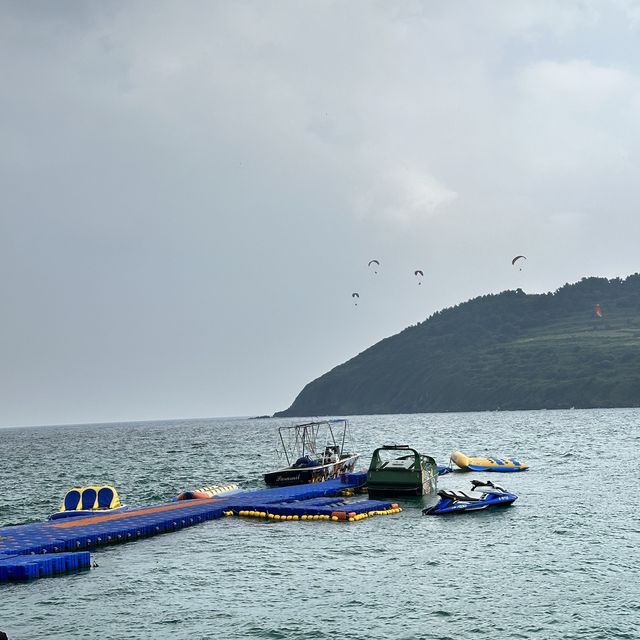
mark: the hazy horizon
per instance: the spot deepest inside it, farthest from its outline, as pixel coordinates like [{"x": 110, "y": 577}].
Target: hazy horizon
[{"x": 192, "y": 192}]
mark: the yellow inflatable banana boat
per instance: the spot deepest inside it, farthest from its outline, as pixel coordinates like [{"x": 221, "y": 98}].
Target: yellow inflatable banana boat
[{"x": 468, "y": 463}]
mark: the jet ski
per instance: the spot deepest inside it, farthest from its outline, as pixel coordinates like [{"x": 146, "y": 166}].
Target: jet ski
[{"x": 481, "y": 496}]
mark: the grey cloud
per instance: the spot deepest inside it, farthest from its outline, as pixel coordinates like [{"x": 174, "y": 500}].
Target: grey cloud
[{"x": 191, "y": 191}]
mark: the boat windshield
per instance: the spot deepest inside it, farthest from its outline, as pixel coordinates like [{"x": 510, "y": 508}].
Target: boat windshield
[{"x": 395, "y": 458}]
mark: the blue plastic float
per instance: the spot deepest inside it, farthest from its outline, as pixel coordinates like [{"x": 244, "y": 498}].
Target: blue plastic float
[
  {"x": 15, "y": 568},
  {"x": 319, "y": 501}
]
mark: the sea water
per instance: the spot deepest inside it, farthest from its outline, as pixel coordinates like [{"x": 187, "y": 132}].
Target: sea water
[{"x": 563, "y": 562}]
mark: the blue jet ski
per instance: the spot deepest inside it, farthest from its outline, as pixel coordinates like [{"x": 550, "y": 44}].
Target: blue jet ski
[{"x": 481, "y": 496}]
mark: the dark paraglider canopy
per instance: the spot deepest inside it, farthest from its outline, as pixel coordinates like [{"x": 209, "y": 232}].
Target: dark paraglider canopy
[
  {"x": 418, "y": 273},
  {"x": 513, "y": 262},
  {"x": 355, "y": 296},
  {"x": 376, "y": 262}
]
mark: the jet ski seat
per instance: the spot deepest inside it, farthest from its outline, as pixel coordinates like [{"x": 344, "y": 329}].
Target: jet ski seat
[
  {"x": 462, "y": 496},
  {"x": 486, "y": 487}
]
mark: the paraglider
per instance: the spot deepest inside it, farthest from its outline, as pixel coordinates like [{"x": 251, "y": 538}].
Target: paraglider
[
  {"x": 419, "y": 274},
  {"x": 513, "y": 262},
  {"x": 355, "y": 296},
  {"x": 598, "y": 310},
  {"x": 376, "y": 262}
]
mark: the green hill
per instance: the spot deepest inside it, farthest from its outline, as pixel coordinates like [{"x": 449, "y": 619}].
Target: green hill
[{"x": 505, "y": 351}]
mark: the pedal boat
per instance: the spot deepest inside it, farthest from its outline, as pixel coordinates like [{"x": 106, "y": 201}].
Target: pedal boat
[
  {"x": 92, "y": 500},
  {"x": 411, "y": 474},
  {"x": 502, "y": 465},
  {"x": 481, "y": 496}
]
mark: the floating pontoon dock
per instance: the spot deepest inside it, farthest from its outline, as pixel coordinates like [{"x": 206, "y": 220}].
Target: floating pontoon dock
[{"x": 66, "y": 541}]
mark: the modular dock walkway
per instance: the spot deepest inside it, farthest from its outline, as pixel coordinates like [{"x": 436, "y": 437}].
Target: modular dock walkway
[{"x": 22, "y": 546}]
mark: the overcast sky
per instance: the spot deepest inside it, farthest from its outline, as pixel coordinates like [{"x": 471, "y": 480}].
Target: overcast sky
[{"x": 191, "y": 191}]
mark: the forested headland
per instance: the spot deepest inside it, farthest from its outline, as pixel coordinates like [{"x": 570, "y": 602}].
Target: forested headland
[{"x": 578, "y": 346}]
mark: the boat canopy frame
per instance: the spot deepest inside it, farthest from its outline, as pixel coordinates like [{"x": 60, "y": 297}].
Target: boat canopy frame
[{"x": 299, "y": 440}]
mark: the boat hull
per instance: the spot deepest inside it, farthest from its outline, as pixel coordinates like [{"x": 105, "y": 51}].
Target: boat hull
[
  {"x": 447, "y": 505},
  {"x": 396, "y": 491},
  {"x": 307, "y": 475}
]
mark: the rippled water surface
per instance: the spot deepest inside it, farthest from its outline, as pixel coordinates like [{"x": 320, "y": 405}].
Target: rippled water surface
[{"x": 563, "y": 562}]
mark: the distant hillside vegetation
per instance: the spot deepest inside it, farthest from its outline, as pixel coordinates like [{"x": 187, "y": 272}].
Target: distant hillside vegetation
[{"x": 506, "y": 351}]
